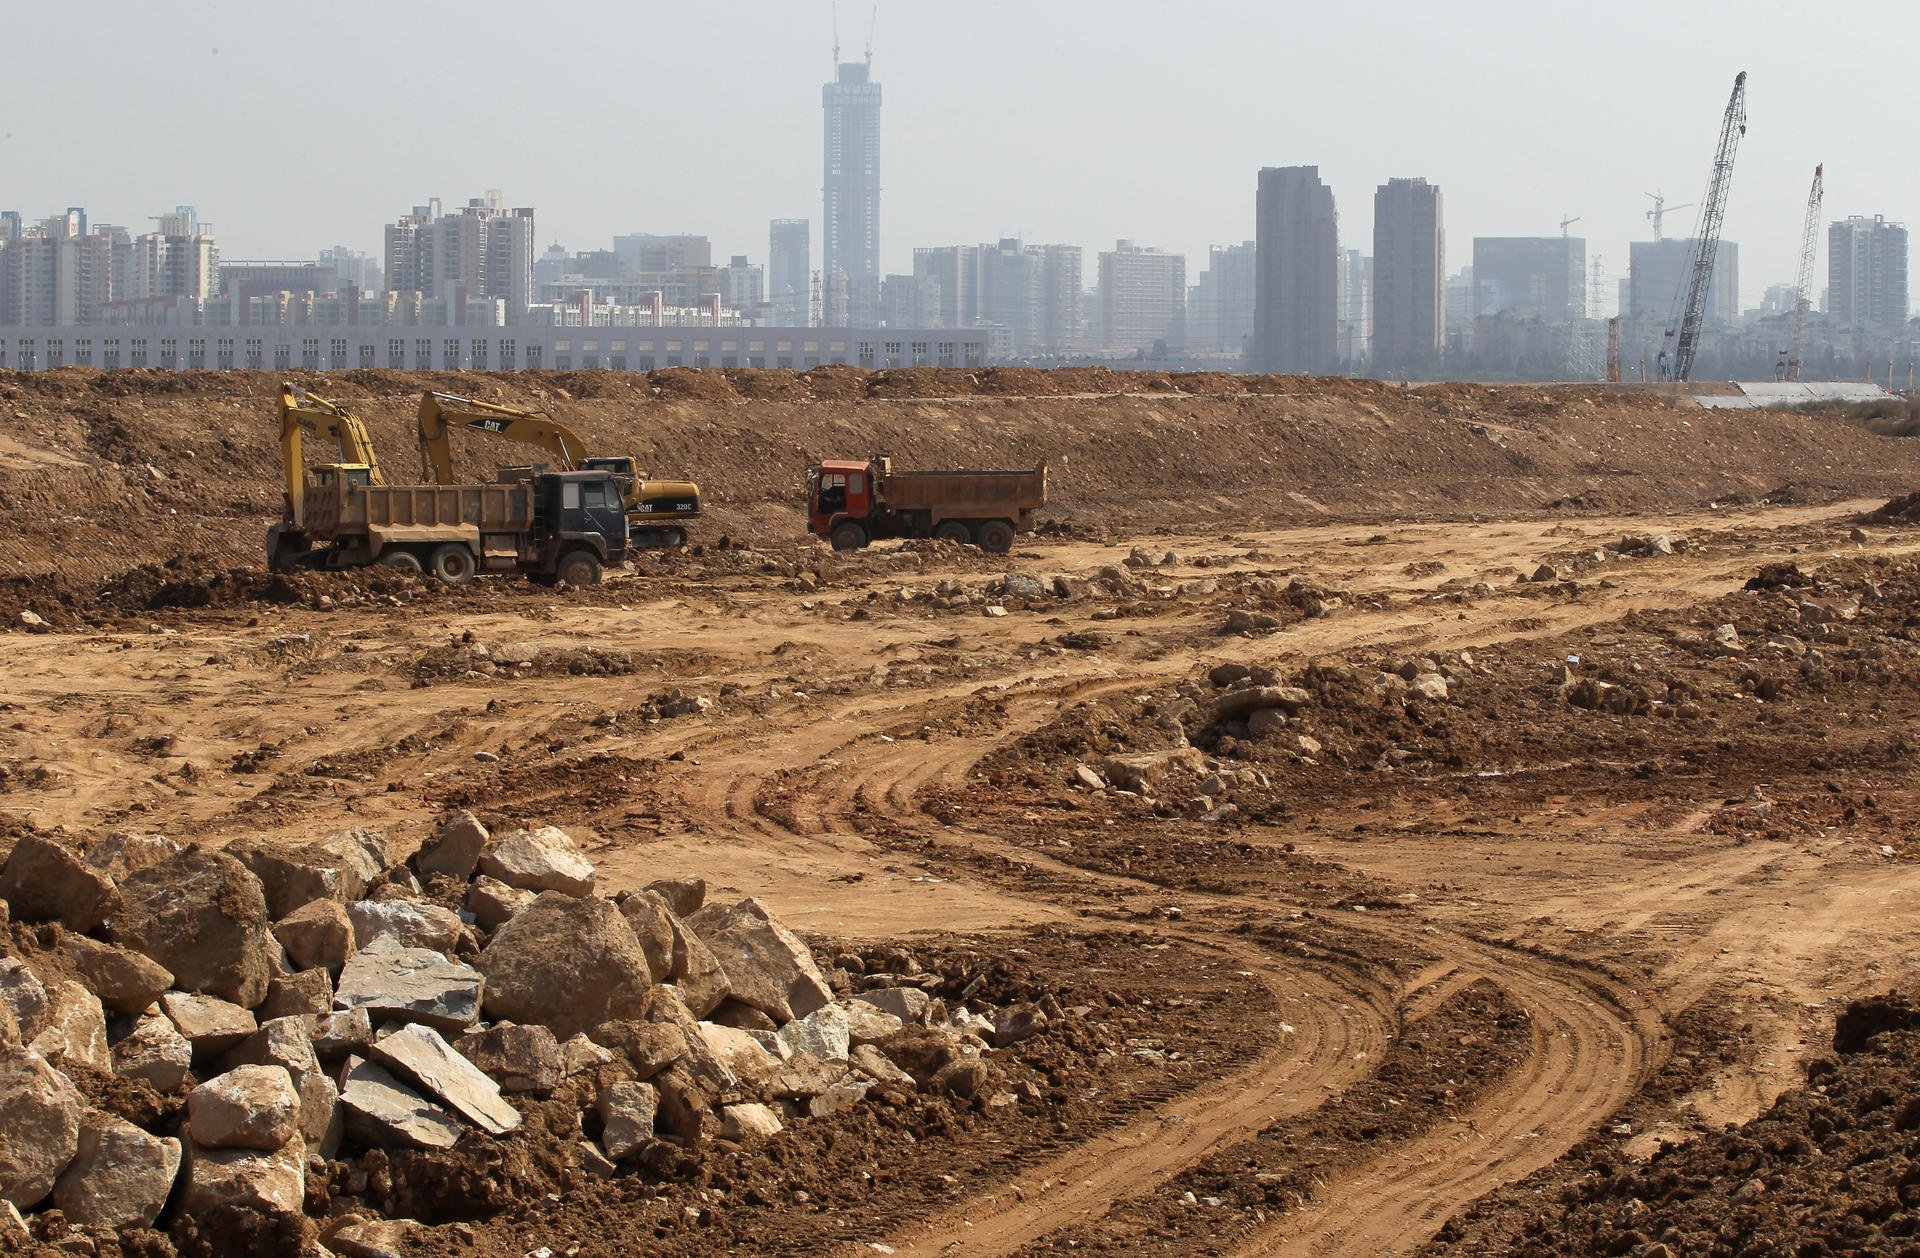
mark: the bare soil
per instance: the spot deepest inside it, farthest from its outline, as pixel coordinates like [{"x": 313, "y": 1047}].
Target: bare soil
[{"x": 1488, "y": 973}]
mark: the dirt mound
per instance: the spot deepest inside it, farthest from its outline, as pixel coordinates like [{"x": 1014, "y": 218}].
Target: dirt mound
[
  {"x": 1904, "y": 508},
  {"x": 1827, "y": 1170},
  {"x": 104, "y": 471}
]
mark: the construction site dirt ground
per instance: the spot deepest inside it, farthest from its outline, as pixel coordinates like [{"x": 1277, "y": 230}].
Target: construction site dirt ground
[{"x": 1407, "y": 974}]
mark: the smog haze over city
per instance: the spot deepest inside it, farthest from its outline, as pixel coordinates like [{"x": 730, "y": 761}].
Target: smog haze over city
[{"x": 292, "y": 127}]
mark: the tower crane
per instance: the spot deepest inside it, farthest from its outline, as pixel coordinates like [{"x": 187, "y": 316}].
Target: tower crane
[
  {"x": 1809, "y": 245},
  {"x": 1706, "y": 244},
  {"x": 1660, "y": 209}
]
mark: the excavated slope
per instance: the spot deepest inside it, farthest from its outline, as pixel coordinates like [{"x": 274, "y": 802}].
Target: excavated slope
[{"x": 105, "y": 471}]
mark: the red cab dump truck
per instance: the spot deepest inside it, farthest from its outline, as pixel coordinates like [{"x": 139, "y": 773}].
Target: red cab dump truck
[{"x": 853, "y": 503}]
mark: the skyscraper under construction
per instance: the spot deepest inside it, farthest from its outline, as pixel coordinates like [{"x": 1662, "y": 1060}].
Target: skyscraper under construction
[{"x": 851, "y": 234}]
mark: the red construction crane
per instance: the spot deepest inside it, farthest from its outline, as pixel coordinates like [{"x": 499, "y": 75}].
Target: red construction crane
[
  {"x": 1802, "y": 296},
  {"x": 1707, "y": 240}
]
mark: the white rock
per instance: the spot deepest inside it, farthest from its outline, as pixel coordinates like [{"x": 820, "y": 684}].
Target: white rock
[
  {"x": 748, "y": 1121},
  {"x": 40, "y": 1113},
  {"x": 823, "y": 1033},
  {"x": 417, "y": 1054},
  {"x": 627, "y": 1114},
  {"x": 538, "y": 860},
  {"x": 120, "y": 1177},
  {"x": 249, "y": 1107}
]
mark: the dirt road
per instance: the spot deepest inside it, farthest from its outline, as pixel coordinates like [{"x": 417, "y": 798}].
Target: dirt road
[{"x": 1610, "y": 875}]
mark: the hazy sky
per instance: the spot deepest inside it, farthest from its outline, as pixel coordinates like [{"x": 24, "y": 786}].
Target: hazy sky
[{"x": 293, "y": 126}]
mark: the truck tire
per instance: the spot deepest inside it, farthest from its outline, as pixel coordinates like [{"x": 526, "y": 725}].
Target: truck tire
[
  {"x": 849, "y": 535},
  {"x": 994, "y": 536},
  {"x": 579, "y": 567},
  {"x": 954, "y": 531},
  {"x": 405, "y": 560},
  {"x": 454, "y": 564}
]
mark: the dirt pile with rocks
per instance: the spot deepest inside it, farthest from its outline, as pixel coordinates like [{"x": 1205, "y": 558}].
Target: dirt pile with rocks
[
  {"x": 253, "y": 1049},
  {"x": 1829, "y": 1169},
  {"x": 105, "y": 472}
]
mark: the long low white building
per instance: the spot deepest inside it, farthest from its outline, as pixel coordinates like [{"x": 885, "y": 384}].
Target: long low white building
[{"x": 276, "y": 347}]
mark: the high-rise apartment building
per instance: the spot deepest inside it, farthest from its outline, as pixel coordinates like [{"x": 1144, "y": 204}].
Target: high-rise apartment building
[
  {"x": 1409, "y": 274},
  {"x": 1353, "y": 338},
  {"x": 1296, "y": 282},
  {"x": 1143, "y": 297},
  {"x": 56, "y": 274},
  {"x": 850, "y": 233},
  {"x": 479, "y": 253},
  {"x": 1867, "y": 274},
  {"x": 1220, "y": 317},
  {"x": 1659, "y": 272},
  {"x": 948, "y": 284},
  {"x": 11, "y": 226},
  {"x": 353, "y": 269},
  {"x": 1059, "y": 321},
  {"x": 1542, "y": 278},
  {"x": 789, "y": 271},
  {"x": 742, "y": 283}
]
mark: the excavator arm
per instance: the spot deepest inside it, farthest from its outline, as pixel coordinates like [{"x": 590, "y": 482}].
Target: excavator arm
[
  {"x": 304, "y": 414},
  {"x": 440, "y": 411},
  {"x": 656, "y": 508}
]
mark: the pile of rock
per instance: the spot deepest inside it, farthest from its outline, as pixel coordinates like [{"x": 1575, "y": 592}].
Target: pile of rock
[{"x": 296, "y": 1004}]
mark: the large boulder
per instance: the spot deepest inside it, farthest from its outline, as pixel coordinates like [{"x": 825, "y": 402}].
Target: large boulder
[
  {"x": 568, "y": 964},
  {"x": 288, "y": 1044},
  {"x": 765, "y": 964},
  {"x": 75, "y": 1028},
  {"x": 122, "y": 852},
  {"x": 824, "y": 1033},
  {"x": 265, "y": 1182},
  {"x": 744, "y": 1056},
  {"x": 418, "y": 1055},
  {"x": 318, "y": 934},
  {"x": 455, "y": 847},
  {"x": 519, "y": 1057},
  {"x": 383, "y": 1112},
  {"x": 40, "y": 1113},
  {"x": 120, "y": 1176},
  {"x": 249, "y": 1107},
  {"x": 1145, "y": 771},
  {"x": 210, "y": 1024},
  {"x": 339, "y": 867},
  {"x": 538, "y": 860},
  {"x": 652, "y": 923},
  {"x": 155, "y": 1051},
  {"x": 124, "y": 980},
  {"x": 413, "y": 985},
  {"x": 406, "y": 923},
  {"x": 25, "y": 997},
  {"x": 45, "y": 881},
  {"x": 493, "y": 903},
  {"x": 309, "y": 992},
  {"x": 683, "y": 895},
  {"x": 204, "y": 917},
  {"x": 696, "y": 971}
]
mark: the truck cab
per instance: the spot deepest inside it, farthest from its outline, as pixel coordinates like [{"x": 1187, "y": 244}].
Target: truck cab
[
  {"x": 581, "y": 506},
  {"x": 838, "y": 489}
]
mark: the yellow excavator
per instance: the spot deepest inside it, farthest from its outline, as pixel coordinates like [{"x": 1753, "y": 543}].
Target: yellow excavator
[
  {"x": 655, "y": 508},
  {"x": 303, "y": 415}
]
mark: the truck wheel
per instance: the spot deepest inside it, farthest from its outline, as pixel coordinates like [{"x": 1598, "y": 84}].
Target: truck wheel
[
  {"x": 955, "y": 531},
  {"x": 405, "y": 560},
  {"x": 849, "y": 535},
  {"x": 995, "y": 536},
  {"x": 454, "y": 564},
  {"x": 580, "y": 567}
]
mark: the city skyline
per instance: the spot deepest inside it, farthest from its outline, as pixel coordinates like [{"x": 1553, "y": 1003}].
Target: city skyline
[{"x": 1040, "y": 136}]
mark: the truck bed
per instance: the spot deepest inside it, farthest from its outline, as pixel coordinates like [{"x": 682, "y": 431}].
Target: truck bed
[
  {"x": 421, "y": 510},
  {"x": 980, "y": 493}
]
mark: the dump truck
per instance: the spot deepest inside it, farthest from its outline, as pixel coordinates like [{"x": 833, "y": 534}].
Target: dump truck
[
  {"x": 853, "y": 503},
  {"x": 547, "y": 526}
]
